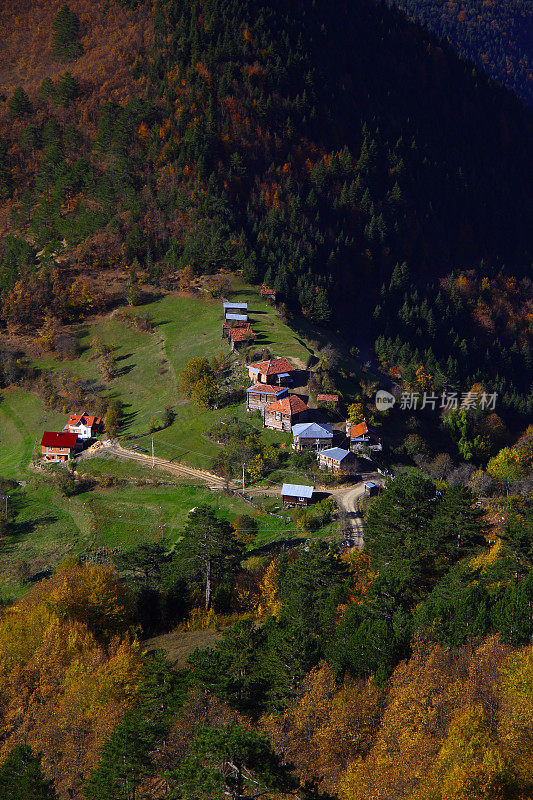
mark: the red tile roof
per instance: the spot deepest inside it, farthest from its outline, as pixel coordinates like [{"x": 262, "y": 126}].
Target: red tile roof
[
  {"x": 288, "y": 405},
  {"x": 266, "y": 291},
  {"x": 358, "y": 430},
  {"x": 232, "y": 325},
  {"x": 265, "y": 388},
  {"x": 241, "y": 334},
  {"x": 273, "y": 367},
  {"x": 327, "y": 398},
  {"x": 52, "y": 439},
  {"x": 84, "y": 419}
]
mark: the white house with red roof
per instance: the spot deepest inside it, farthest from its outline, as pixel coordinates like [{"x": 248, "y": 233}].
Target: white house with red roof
[{"x": 83, "y": 425}]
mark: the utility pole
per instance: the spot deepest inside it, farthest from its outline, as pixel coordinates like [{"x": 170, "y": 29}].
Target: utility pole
[
  {"x": 243, "y": 475},
  {"x": 153, "y": 462}
]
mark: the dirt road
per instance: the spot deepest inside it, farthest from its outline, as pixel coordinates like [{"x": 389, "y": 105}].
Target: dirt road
[{"x": 113, "y": 448}]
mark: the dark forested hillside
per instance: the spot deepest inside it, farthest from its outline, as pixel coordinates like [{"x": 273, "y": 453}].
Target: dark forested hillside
[
  {"x": 314, "y": 146},
  {"x": 496, "y": 36}
]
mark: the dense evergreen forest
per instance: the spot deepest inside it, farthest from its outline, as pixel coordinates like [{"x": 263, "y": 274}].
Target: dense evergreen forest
[{"x": 498, "y": 37}]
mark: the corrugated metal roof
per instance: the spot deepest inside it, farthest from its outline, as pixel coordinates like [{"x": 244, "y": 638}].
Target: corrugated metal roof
[
  {"x": 237, "y": 317},
  {"x": 337, "y": 453},
  {"x": 293, "y": 490},
  {"x": 313, "y": 430},
  {"x": 235, "y": 305}
]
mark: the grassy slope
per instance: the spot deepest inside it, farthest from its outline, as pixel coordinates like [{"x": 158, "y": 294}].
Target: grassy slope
[
  {"x": 150, "y": 364},
  {"x": 50, "y": 527},
  {"x": 127, "y": 516}
]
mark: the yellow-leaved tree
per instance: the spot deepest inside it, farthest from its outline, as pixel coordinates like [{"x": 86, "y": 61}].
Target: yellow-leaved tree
[{"x": 69, "y": 668}]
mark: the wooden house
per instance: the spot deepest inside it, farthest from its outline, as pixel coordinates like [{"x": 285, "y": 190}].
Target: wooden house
[
  {"x": 293, "y": 494},
  {"x": 241, "y": 336},
  {"x": 337, "y": 459},
  {"x": 275, "y": 370},
  {"x": 261, "y": 395},
  {"x": 240, "y": 309},
  {"x": 282, "y": 414},
  {"x": 269, "y": 294},
  {"x": 316, "y": 435},
  {"x": 58, "y": 446},
  {"x": 362, "y": 436},
  {"x": 83, "y": 425}
]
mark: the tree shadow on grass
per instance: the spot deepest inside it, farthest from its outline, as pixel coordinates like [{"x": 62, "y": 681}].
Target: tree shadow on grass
[{"x": 124, "y": 370}]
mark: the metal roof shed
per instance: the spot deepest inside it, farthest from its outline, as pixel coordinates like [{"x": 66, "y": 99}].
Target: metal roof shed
[
  {"x": 313, "y": 430},
  {"x": 295, "y": 490},
  {"x": 237, "y": 317}
]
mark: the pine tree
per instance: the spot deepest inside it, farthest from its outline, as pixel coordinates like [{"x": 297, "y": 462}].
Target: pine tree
[
  {"x": 208, "y": 549},
  {"x": 21, "y": 777},
  {"x": 66, "y": 31}
]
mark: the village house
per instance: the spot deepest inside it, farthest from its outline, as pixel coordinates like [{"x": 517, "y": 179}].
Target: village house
[
  {"x": 261, "y": 394},
  {"x": 372, "y": 488},
  {"x": 229, "y": 325},
  {"x": 317, "y": 435},
  {"x": 240, "y": 309},
  {"x": 57, "y": 446},
  {"x": 361, "y": 436},
  {"x": 293, "y": 494},
  {"x": 241, "y": 336},
  {"x": 337, "y": 459},
  {"x": 270, "y": 294},
  {"x": 275, "y": 370},
  {"x": 327, "y": 398},
  {"x": 83, "y": 425},
  {"x": 282, "y": 414}
]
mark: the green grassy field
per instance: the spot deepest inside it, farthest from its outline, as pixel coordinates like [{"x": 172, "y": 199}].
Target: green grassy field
[
  {"x": 50, "y": 527},
  {"x": 23, "y": 418},
  {"x": 149, "y": 365},
  {"x": 126, "y": 516}
]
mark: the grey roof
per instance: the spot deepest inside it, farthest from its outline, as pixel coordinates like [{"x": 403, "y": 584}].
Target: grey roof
[
  {"x": 313, "y": 430},
  {"x": 336, "y": 453},
  {"x": 237, "y": 317},
  {"x": 235, "y": 305},
  {"x": 293, "y": 490}
]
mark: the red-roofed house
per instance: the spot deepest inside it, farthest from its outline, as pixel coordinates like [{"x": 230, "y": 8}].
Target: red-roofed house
[
  {"x": 270, "y": 294},
  {"x": 261, "y": 394},
  {"x": 327, "y": 398},
  {"x": 275, "y": 370},
  {"x": 283, "y": 414},
  {"x": 57, "y": 446},
  {"x": 361, "y": 435},
  {"x": 83, "y": 425},
  {"x": 241, "y": 336}
]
